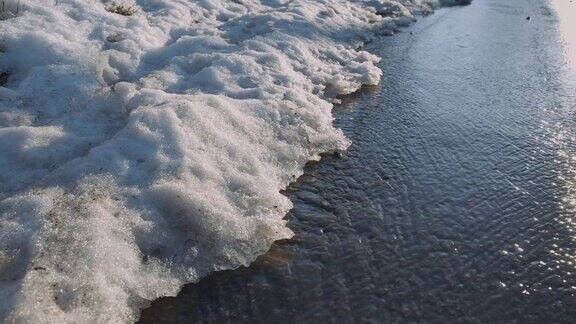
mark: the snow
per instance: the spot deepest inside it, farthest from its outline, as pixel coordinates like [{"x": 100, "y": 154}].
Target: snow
[{"x": 139, "y": 153}]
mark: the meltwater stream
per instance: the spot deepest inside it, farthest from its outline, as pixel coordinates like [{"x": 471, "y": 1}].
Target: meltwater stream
[{"x": 456, "y": 201}]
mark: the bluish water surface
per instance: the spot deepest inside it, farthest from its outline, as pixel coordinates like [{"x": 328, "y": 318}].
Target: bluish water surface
[{"x": 456, "y": 201}]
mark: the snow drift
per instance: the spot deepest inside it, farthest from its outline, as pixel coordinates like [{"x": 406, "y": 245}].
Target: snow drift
[{"x": 141, "y": 152}]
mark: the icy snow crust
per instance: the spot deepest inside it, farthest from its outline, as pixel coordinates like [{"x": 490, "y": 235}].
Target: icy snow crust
[{"x": 139, "y": 153}]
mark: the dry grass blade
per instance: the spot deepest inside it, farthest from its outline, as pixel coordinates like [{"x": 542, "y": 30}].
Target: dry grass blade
[{"x": 9, "y": 9}]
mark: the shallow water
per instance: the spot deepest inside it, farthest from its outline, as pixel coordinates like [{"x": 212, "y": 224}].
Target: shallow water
[{"x": 456, "y": 201}]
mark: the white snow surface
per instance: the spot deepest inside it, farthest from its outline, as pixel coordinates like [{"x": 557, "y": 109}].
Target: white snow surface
[{"x": 139, "y": 153}]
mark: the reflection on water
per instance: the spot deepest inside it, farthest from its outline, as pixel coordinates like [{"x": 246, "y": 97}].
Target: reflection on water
[
  {"x": 456, "y": 201},
  {"x": 562, "y": 137},
  {"x": 566, "y": 11}
]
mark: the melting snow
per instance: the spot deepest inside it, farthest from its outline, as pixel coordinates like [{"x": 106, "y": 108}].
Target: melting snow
[{"x": 141, "y": 152}]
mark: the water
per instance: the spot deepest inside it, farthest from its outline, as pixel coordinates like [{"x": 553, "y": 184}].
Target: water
[{"x": 456, "y": 202}]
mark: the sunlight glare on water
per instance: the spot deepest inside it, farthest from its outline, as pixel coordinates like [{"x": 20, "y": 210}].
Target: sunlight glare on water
[
  {"x": 566, "y": 11},
  {"x": 561, "y": 123}
]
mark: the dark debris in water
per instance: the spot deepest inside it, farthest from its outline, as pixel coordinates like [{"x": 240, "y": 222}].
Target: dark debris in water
[{"x": 4, "y": 76}]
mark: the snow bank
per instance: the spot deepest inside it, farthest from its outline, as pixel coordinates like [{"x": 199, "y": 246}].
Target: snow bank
[{"x": 139, "y": 153}]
